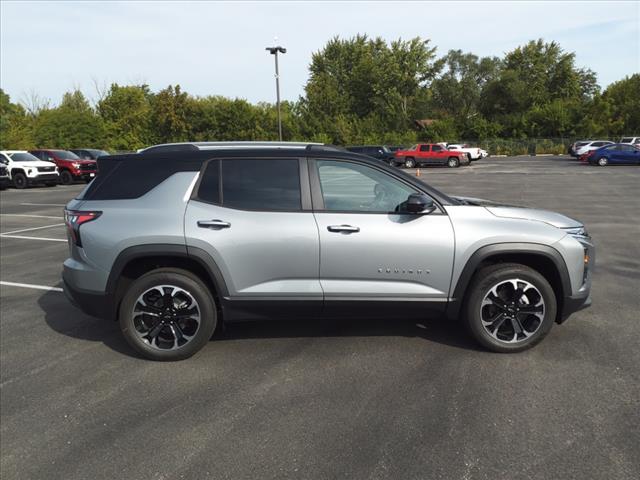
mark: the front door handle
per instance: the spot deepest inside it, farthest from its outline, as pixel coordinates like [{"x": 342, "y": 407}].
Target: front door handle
[
  {"x": 213, "y": 224},
  {"x": 343, "y": 229}
]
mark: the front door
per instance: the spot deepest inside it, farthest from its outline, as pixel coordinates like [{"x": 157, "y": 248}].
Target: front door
[
  {"x": 248, "y": 216},
  {"x": 372, "y": 251}
]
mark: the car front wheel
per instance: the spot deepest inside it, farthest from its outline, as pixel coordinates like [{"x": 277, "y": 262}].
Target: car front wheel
[
  {"x": 453, "y": 162},
  {"x": 66, "y": 178},
  {"x": 510, "y": 307},
  {"x": 409, "y": 163},
  {"x": 168, "y": 314},
  {"x": 20, "y": 180}
]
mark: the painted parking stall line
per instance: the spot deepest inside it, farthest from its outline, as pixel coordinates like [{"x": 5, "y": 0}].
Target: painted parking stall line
[
  {"x": 31, "y": 229},
  {"x": 24, "y": 237},
  {"x": 31, "y": 286}
]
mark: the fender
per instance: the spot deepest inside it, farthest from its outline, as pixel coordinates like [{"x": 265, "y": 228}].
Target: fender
[
  {"x": 498, "y": 249},
  {"x": 166, "y": 250}
]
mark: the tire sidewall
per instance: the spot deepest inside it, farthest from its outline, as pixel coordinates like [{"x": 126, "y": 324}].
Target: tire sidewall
[
  {"x": 603, "y": 161},
  {"x": 409, "y": 163},
  {"x": 485, "y": 280},
  {"x": 179, "y": 278},
  {"x": 453, "y": 162}
]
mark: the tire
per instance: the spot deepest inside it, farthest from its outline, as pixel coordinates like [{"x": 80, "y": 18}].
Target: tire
[
  {"x": 453, "y": 162},
  {"x": 479, "y": 310},
  {"x": 409, "y": 162},
  {"x": 139, "y": 328},
  {"x": 20, "y": 180},
  {"x": 603, "y": 161},
  {"x": 66, "y": 178},
  {"x": 469, "y": 157}
]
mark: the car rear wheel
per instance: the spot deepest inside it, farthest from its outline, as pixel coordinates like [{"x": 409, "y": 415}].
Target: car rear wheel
[
  {"x": 603, "y": 161},
  {"x": 409, "y": 162},
  {"x": 66, "y": 178},
  {"x": 20, "y": 180},
  {"x": 453, "y": 162},
  {"x": 168, "y": 314},
  {"x": 510, "y": 307}
]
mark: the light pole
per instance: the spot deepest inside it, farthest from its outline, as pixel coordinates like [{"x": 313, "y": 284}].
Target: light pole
[{"x": 274, "y": 51}]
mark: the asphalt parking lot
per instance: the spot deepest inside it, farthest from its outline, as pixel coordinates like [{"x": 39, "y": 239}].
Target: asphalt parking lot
[{"x": 350, "y": 400}]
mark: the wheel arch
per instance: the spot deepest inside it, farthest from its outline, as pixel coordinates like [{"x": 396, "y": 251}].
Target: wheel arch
[
  {"x": 544, "y": 259},
  {"x": 134, "y": 262}
]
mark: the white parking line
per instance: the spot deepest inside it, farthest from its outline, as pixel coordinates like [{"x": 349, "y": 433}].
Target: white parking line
[
  {"x": 30, "y": 216},
  {"x": 44, "y": 204},
  {"x": 30, "y": 285},
  {"x": 33, "y": 238},
  {"x": 31, "y": 229}
]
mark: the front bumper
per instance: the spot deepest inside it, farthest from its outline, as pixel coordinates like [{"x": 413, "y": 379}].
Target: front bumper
[{"x": 44, "y": 177}]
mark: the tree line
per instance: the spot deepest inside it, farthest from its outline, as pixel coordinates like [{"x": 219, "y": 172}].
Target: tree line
[{"x": 360, "y": 90}]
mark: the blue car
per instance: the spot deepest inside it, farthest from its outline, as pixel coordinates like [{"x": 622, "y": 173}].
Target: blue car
[{"x": 618, "y": 153}]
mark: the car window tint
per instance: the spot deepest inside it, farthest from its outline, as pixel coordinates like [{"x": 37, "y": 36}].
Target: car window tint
[
  {"x": 261, "y": 184},
  {"x": 424, "y": 148},
  {"x": 354, "y": 187},
  {"x": 209, "y": 190},
  {"x": 436, "y": 148}
]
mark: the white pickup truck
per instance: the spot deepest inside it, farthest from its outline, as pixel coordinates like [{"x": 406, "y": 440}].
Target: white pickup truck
[{"x": 473, "y": 153}]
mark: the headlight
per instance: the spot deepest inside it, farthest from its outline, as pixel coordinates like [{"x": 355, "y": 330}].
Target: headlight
[
  {"x": 75, "y": 165},
  {"x": 577, "y": 231}
]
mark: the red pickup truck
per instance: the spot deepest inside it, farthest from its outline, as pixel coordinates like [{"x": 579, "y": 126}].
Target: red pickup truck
[
  {"x": 431, "y": 154},
  {"x": 70, "y": 166}
]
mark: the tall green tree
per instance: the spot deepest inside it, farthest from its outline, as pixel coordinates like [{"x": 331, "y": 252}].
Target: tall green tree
[{"x": 126, "y": 112}]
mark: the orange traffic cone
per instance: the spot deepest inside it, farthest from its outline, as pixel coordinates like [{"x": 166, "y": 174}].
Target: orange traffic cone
[{"x": 417, "y": 172}]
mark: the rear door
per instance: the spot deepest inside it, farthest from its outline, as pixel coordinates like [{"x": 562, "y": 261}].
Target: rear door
[
  {"x": 371, "y": 253},
  {"x": 439, "y": 153},
  {"x": 253, "y": 218}
]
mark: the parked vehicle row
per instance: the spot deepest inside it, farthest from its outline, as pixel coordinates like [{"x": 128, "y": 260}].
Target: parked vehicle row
[
  {"x": 48, "y": 166},
  {"x": 617, "y": 153},
  {"x": 582, "y": 147},
  {"x": 431, "y": 154}
]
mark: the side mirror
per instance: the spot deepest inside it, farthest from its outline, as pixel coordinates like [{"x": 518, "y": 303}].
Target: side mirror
[{"x": 419, "y": 203}]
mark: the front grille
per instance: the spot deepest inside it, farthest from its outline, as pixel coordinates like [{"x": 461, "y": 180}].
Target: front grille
[
  {"x": 87, "y": 167},
  {"x": 46, "y": 169}
]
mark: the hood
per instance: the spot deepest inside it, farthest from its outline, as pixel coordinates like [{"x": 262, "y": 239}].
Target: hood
[
  {"x": 34, "y": 164},
  {"x": 511, "y": 211}
]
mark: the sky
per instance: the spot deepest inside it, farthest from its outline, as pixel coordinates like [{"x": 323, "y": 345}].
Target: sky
[{"x": 217, "y": 48}]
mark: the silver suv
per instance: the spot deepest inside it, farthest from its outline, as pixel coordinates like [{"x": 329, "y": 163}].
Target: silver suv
[{"x": 176, "y": 239}]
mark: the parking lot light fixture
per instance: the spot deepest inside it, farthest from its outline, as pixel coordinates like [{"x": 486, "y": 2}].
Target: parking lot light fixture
[{"x": 274, "y": 51}]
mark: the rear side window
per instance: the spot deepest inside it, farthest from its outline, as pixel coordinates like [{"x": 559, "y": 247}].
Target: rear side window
[
  {"x": 261, "y": 184},
  {"x": 210, "y": 183},
  {"x": 424, "y": 148}
]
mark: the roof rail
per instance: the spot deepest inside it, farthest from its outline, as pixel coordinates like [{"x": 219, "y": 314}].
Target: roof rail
[{"x": 191, "y": 146}]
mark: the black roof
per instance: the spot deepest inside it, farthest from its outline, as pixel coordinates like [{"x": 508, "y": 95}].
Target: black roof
[{"x": 120, "y": 176}]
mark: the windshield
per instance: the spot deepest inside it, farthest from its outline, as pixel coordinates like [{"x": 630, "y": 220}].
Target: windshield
[
  {"x": 65, "y": 155},
  {"x": 413, "y": 147},
  {"x": 23, "y": 157},
  {"x": 98, "y": 153}
]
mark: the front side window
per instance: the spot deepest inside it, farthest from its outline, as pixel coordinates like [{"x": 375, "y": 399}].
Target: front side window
[
  {"x": 261, "y": 184},
  {"x": 352, "y": 187}
]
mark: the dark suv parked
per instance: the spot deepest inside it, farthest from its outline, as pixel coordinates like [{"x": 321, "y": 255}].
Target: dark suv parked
[
  {"x": 381, "y": 152},
  {"x": 178, "y": 238},
  {"x": 89, "y": 153}
]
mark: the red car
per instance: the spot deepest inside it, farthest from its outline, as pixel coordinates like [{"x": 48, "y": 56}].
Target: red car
[
  {"x": 70, "y": 166},
  {"x": 431, "y": 154}
]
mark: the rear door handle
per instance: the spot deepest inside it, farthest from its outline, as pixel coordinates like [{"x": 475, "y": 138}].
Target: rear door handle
[
  {"x": 213, "y": 224},
  {"x": 343, "y": 229}
]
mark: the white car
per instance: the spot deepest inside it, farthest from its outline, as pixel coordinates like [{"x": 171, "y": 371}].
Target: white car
[
  {"x": 593, "y": 145},
  {"x": 630, "y": 140},
  {"x": 25, "y": 169},
  {"x": 473, "y": 153}
]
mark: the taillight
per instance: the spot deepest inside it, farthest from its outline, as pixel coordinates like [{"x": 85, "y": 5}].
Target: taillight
[{"x": 74, "y": 219}]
